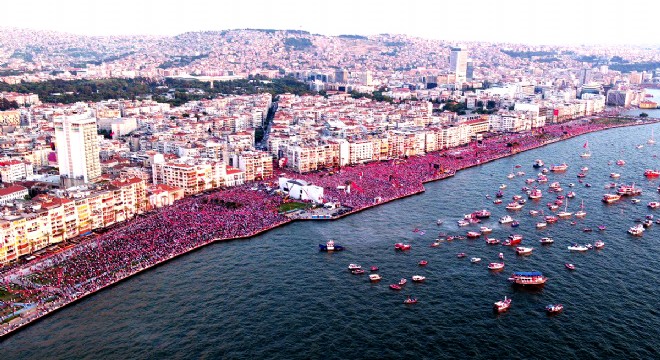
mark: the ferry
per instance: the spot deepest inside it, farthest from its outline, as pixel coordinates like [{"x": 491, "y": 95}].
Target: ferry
[
  {"x": 628, "y": 190},
  {"x": 491, "y": 241},
  {"x": 374, "y": 277},
  {"x": 546, "y": 240},
  {"x": 402, "y": 246},
  {"x": 535, "y": 194},
  {"x": 330, "y": 246},
  {"x": 653, "y": 204},
  {"x": 559, "y": 167},
  {"x": 502, "y": 305},
  {"x": 610, "y": 198},
  {"x": 599, "y": 244},
  {"x": 538, "y": 163},
  {"x": 506, "y": 219},
  {"x": 521, "y": 250},
  {"x": 514, "y": 206},
  {"x": 651, "y": 173},
  {"x": 636, "y": 230},
  {"x": 495, "y": 266},
  {"x": 418, "y": 278},
  {"x": 554, "y": 308},
  {"x": 576, "y": 247},
  {"x": 570, "y": 266},
  {"x": 528, "y": 278}
]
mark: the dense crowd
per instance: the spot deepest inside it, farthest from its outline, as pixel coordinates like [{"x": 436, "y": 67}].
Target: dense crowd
[{"x": 242, "y": 212}]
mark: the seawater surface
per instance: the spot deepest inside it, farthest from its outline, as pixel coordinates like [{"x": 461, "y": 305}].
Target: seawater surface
[{"x": 277, "y": 296}]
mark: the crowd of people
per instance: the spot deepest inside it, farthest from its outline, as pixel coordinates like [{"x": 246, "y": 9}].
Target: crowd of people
[{"x": 241, "y": 212}]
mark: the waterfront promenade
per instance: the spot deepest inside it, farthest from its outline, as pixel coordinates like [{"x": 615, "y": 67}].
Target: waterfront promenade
[{"x": 46, "y": 285}]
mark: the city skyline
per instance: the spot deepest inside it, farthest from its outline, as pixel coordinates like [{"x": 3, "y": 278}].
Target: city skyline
[{"x": 511, "y": 21}]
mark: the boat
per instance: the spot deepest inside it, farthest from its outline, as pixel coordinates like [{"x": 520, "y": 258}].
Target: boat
[
  {"x": 636, "y": 230},
  {"x": 541, "y": 179},
  {"x": 510, "y": 176},
  {"x": 485, "y": 230},
  {"x": 515, "y": 223},
  {"x": 423, "y": 263},
  {"x": 551, "y": 219},
  {"x": 610, "y": 198},
  {"x": 587, "y": 185},
  {"x": 581, "y": 175},
  {"x": 639, "y": 146},
  {"x": 559, "y": 167},
  {"x": 535, "y": 194},
  {"x": 354, "y": 267},
  {"x": 436, "y": 243},
  {"x": 599, "y": 244},
  {"x": 506, "y": 219},
  {"x": 460, "y": 255},
  {"x": 546, "y": 240},
  {"x": 570, "y": 266},
  {"x": 374, "y": 268},
  {"x": 402, "y": 282},
  {"x": 491, "y": 241},
  {"x": 357, "y": 272},
  {"x": 514, "y": 239},
  {"x": 647, "y": 223},
  {"x": 395, "y": 287},
  {"x": 602, "y": 227},
  {"x": 628, "y": 190},
  {"x": 649, "y": 173},
  {"x": 418, "y": 278},
  {"x": 402, "y": 246},
  {"x": 330, "y": 246},
  {"x": 538, "y": 163},
  {"x": 495, "y": 266},
  {"x": 473, "y": 234},
  {"x": 516, "y": 197},
  {"x": 554, "y": 308},
  {"x": 581, "y": 213},
  {"x": 651, "y": 140},
  {"x": 541, "y": 224},
  {"x": 529, "y": 181},
  {"x": 545, "y": 171},
  {"x": 620, "y": 162},
  {"x": 475, "y": 260},
  {"x": 439, "y": 222},
  {"x": 576, "y": 247},
  {"x": 410, "y": 300},
  {"x": 499, "y": 194},
  {"x": 570, "y": 194},
  {"x": 481, "y": 214},
  {"x": 528, "y": 278},
  {"x": 521, "y": 250},
  {"x": 586, "y": 154},
  {"x": 502, "y": 305},
  {"x": 533, "y": 212},
  {"x": 514, "y": 206},
  {"x": 589, "y": 246},
  {"x": 503, "y": 186},
  {"x": 554, "y": 185},
  {"x": 584, "y": 168},
  {"x": 374, "y": 277},
  {"x": 615, "y": 175},
  {"x": 520, "y": 173},
  {"x": 497, "y": 201},
  {"x": 587, "y": 229},
  {"x": 463, "y": 222},
  {"x": 653, "y": 204},
  {"x": 501, "y": 256}
]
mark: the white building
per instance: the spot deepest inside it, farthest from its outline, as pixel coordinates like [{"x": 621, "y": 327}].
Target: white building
[
  {"x": 14, "y": 170},
  {"x": 12, "y": 193},
  {"x": 458, "y": 64},
  {"x": 77, "y": 147},
  {"x": 301, "y": 190}
]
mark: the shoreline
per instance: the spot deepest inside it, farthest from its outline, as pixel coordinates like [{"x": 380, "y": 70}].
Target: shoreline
[{"x": 123, "y": 275}]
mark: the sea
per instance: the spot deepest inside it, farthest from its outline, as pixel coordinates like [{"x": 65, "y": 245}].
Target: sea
[{"x": 276, "y": 296}]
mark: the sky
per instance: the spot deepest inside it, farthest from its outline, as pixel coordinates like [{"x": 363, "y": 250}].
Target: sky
[{"x": 515, "y": 21}]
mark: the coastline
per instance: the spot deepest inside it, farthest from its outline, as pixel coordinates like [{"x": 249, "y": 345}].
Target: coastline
[{"x": 10, "y": 329}]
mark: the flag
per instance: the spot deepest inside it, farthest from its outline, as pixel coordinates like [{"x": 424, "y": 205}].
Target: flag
[{"x": 586, "y": 143}]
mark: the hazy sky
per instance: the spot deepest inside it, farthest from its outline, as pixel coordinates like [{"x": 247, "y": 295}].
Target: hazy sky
[{"x": 524, "y": 21}]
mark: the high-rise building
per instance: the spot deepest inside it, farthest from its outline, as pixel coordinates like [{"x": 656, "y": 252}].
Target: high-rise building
[
  {"x": 77, "y": 147},
  {"x": 341, "y": 76},
  {"x": 469, "y": 73},
  {"x": 458, "y": 64},
  {"x": 585, "y": 76}
]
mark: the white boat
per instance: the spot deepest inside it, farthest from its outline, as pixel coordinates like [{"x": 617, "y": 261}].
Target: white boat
[
  {"x": 635, "y": 201},
  {"x": 541, "y": 225},
  {"x": 584, "y": 168},
  {"x": 636, "y": 230},
  {"x": 521, "y": 250},
  {"x": 533, "y": 212},
  {"x": 511, "y": 176},
  {"x": 502, "y": 305},
  {"x": 586, "y": 154},
  {"x": 615, "y": 175},
  {"x": 546, "y": 240},
  {"x": 559, "y": 167},
  {"x": 503, "y": 186},
  {"x": 485, "y": 230},
  {"x": 581, "y": 213},
  {"x": 651, "y": 140},
  {"x": 576, "y": 247},
  {"x": 463, "y": 222},
  {"x": 475, "y": 260},
  {"x": 354, "y": 267},
  {"x": 620, "y": 162},
  {"x": 374, "y": 277},
  {"x": 506, "y": 219},
  {"x": 495, "y": 266},
  {"x": 418, "y": 278},
  {"x": 565, "y": 214},
  {"x": 514, "y": 206}
]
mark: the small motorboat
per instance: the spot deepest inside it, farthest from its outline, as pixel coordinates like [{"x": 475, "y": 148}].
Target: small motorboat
[
  {"x": 410, "y": 300},
  {"x": 503, "y": 186},
  {"x": 354, "y": 267},
  {"x": 515, "y": 223},
  {"x": 475, "y": 260},
  {"x": 506, "y": 219},
  {"x": 599, "y": 244},
  {"x": 541, "y": 225},
  {"x": 587, "y": 185},
  {"x": 546, "y": 240},
  {"x": 395, "y": 287},
  {"x": 589, "y": 246},
  {"x": 570, "y": 266},
  {"x": 602, "y": 227},
  {"x": 374, "y": 268},
  {"x": 423, "y": 263},
  {"x": 587, "y": 229},
  {"x": 473, "y": 234},
  {"x": 571, "y": 185},
  {"x": 460, "y": 255},
  {"x": 576, "y": 247},
  {"x": 584, "y": 168},
  {"x": 533, "y": 212},
  {"x": 463, "y": 222},
  {"x": 436, "y": 243},
  {"x": 502, "y": 305},
  {"x": 554, "y": 308},
  {"x": 402, "y": 246},
  {"x": 492, "y": 241},
  {"x": 653, "y": 204},
  {"x": 330, "y": 246},
  {"x": 374, "y": 277},
  {"x": 521, "y": 250},
  {"x": 486, "y": 230},
  {"x": 418, "y": 278},
  {"x": 620, "y": 162},
  {"x": 439, "y": 222},
  {"x": 357, "y": 272},
  {"x": 496, "y": 266},
  {"x": 402, "y": 282},
  {"x": 636, "y": 230}
]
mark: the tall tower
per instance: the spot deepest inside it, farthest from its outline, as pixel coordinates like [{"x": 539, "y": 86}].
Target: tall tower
[
  {"x": 458, "y": 64},
  {"x": 77, "y": 148}
]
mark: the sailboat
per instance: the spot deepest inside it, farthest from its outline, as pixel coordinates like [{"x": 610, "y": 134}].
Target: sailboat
[
  {"x": 565, "y": 213},
  {"x": 651, "y": 140},
  {"x": 586, "y": 153},
  {"x": 581, "y": 212}
]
